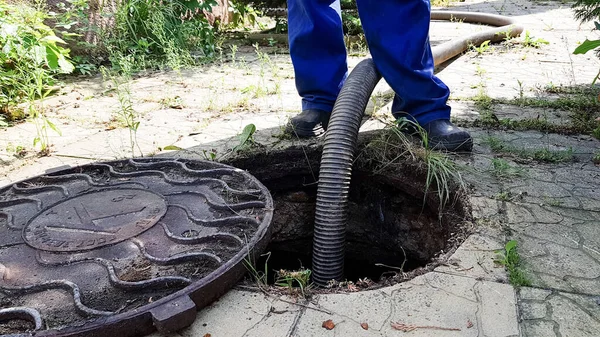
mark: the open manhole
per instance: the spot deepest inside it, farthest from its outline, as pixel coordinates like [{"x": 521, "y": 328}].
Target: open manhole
[
  {"x": 392, "y": 234},
  {"x": 126, "y": 247}
]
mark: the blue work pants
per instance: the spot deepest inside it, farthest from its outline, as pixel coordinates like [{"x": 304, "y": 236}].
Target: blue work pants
[{"x": 397, "y": 33}]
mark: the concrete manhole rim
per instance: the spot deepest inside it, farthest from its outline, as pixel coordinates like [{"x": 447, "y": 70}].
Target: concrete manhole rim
[{"x": 178, "y": 309}]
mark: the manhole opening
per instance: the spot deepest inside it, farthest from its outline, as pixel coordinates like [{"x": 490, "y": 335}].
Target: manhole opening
[
  {"x": 391, "y": 235},
  {"x": 373, "y": 220}
]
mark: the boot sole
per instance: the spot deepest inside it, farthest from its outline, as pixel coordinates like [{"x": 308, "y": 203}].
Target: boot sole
[{"x": 462, "y": 146}]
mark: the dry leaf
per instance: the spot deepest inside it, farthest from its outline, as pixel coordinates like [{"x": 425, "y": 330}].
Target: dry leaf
[
  {"x": 469, "y": 324},
  {"x": 364, "y": 326},
  {"x": 207, "y": 335},
  {"x": 328, "y": 324}
]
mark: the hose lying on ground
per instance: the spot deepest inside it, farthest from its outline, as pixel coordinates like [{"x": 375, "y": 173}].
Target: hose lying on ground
[{"x": 342, "y": 133}]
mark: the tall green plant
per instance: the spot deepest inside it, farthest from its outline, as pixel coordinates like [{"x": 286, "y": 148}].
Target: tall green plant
[
  {"x": 31, "y": 55},
  {"x": 585, "y": 11},
  {"x": 157, "y": 33}
]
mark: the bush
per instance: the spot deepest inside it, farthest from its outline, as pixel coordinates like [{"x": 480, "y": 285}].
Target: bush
[
  {"x": 157, "y": 33},
  {"x": 585, "y": 11},
  {"x": 31, "y": 55}
]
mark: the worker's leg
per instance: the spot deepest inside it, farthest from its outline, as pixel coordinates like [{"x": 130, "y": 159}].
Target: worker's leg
[
  {"x": 318, "y": 54},
  {"x": 397, "y": 32}
]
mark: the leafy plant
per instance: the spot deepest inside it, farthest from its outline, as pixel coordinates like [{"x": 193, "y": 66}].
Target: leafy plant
[
  {"x": 296, "y": 278},
  {"x": 510, "y": 259},
  {"x": 483, "y": 47},
  {"x": 156, "y": 33},
  {"x": 243, "y": 14},
  {"x": 31, "y": 55},
  {"x": 502, "y": 169},
  {"x": 530, "y": 41},
  {"x": 585, "y": 11},
  {"x": 246, "y": 137}
]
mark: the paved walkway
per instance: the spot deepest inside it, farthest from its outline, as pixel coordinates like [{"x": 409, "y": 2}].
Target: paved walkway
[{"x": 551, "y": 209}]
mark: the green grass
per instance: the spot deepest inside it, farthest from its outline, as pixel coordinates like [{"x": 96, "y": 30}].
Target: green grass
[
  {"x": 500, "y": 168},
  {"x": 580, "y": 103},
  {"x": 394, "y": 147},
  {"x": 540, "y": 155},
  {"x": 503, "y": 196}
]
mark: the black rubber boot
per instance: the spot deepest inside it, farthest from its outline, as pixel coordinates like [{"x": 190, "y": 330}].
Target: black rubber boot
[
  {"x": 309, "y": 123},
  {"x": 445, "y": 136}
]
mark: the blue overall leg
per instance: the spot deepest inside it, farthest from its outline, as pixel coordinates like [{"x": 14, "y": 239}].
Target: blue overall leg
[
  {"x": 318, "y": 51},
  {"x": 397, "y": 32}
]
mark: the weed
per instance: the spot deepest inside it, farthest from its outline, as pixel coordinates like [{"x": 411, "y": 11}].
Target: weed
[
  {"x": 246, "y": 138},
  {"x": 19, "y": 151},
  {"x": 541, "y": 155},
  {"x": 530, "y": 41},
  {"x": 258, "y": 276},
  {"x": 442, "y": 174},
  {"x": 173, "y": 102},
  {"x": 257, "y": 91},
  {"x": 596, "y": 133},
  {"x": 596, "y": 158},
  {"x": 289, "y": 279},
  {"x": 483, "y": 47},
  {"x": 500, "y": 168},
  {"x": 125, "y": 113},
  {"x": 510, "y": 259},
  {"x": 210, "y": 155},
  {"x": 503, "y": 196},
  {"x": 36, "y": 111}
]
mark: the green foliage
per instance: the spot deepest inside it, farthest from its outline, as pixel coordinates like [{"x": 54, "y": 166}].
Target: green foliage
[
  {"x": 530, "y": 41},
  {"x": 157, "y": 34},
  {"x": 588, "y": 10},
  {"x": 31, "y": 55},
  {"x": 502, "y": 169},
  {"x": 245, "y": 138},
  {"x": 510, "y": 259},
  {"x": 541, "y": 155},
  {"x": 243, "y": 14},
  {"x": 296, "y": 278},
  {"x": 484, "y": 47}
]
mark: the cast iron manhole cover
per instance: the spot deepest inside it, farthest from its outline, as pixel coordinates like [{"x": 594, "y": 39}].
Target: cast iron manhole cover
[{"x": 125, "y": 247}]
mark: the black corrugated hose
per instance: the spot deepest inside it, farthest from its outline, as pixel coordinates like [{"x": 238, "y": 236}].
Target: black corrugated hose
[{"x": 342, "y": 134}]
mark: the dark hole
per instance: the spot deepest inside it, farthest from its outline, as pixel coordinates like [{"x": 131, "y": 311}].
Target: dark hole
[{"x": 384, "y": 223}]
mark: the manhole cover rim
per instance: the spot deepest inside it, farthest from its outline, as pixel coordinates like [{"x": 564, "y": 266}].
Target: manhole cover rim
[{"x": 144, "y": 313}]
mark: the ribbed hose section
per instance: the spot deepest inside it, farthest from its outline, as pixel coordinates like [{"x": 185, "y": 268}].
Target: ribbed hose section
[{"x": 334, "y": 175}]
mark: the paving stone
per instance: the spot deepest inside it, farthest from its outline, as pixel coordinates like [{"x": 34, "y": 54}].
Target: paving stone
[
  {"x": 533, "y": 310},
  {"x": 564, "y": 309},
  {"x": 538, "y": 329},
  {"x": 475, "y": 257},
  {"x": 528, "y": 293}
]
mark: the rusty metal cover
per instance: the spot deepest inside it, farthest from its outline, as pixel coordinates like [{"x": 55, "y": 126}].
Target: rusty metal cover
[{"x": 125, "y": 247}]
